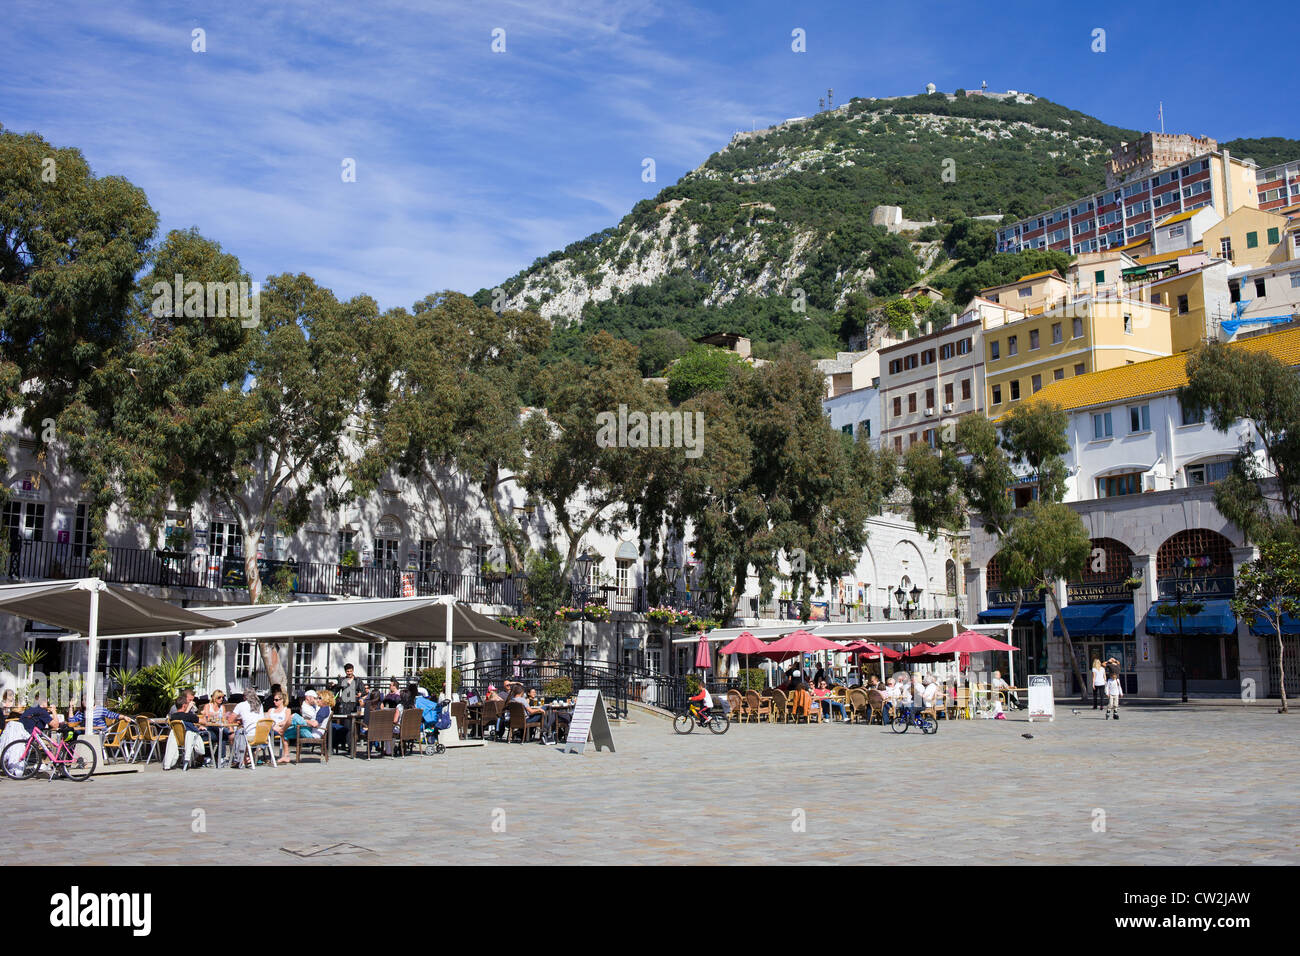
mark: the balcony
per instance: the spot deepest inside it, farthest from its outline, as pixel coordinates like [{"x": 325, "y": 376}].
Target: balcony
[{"x": 48, "y": 560}]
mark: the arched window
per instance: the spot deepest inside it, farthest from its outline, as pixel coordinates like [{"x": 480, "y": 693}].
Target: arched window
[
  {"x": 1197, "y": 550},
  {"x": 388, "y": 536}
]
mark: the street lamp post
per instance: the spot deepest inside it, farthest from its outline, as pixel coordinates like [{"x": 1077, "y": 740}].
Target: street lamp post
[
  {"x": 584, "y": 564},
  {"x": 673, "y": 571}
]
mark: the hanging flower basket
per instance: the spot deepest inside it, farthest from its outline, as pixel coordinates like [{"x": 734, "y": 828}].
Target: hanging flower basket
[
  {"x": 1133, "y": 584},
  {"x": 662, "y": 615},
  {"x": 597, "y": 612},
  {"x": 569, "y": 614}
]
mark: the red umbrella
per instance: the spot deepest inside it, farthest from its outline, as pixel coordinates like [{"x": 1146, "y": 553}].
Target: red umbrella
[
  {"x": 971, "y": 642},
  {"x": 703, "y": 656},
  {"x": 746, "y": 643},
  {"x": 918, "y": 652},
  {"x": 802, "y": 642}
]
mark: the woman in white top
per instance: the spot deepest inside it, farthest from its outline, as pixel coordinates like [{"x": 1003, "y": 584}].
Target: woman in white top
[
  {"x": 1098, "y": 682},
  {"x": 281, "y": 715}
]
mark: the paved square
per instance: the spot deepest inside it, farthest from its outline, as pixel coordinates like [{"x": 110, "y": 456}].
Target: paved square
[{"x": 1203, "y": 784}]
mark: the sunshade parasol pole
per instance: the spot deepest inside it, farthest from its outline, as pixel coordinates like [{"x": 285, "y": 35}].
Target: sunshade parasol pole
[
  {"x": 92, "y": 654},
  {"x": 450, "y": 656},
  {"x": 1011, "y": 661}
]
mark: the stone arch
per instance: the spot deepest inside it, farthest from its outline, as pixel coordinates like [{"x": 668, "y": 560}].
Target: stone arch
[
  {"x": 1110, "y": 559},
  {"x": 1200, "y": 549},
  {"x": 910, "y": 562}
]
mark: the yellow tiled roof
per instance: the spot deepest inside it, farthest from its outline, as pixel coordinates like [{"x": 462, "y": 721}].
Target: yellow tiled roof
[
  {"x": 1168, "y": 256},
  {"x": 1036, "y": 275},
  {"x": 1127, "y": 382},
  {"x": 1178, "y": 217},
  {"x": 1135, "y": 243}
]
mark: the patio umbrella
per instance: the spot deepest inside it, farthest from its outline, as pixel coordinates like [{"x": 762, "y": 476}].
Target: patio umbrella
[
  {"x": 802, "y": 642},
  {"x": 972, "y": 642},
  {"x": 746, "y": 644},
  {"x": 703, "y": 657}
]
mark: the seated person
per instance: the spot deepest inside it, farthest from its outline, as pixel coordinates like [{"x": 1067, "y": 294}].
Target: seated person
[
  {"x": 891, "y": 692},
  {"x": 394, "y": 696},
  {"x": 40, "y": 716},
  {"x": 320, "y": 707},
  {"x": 829, "y": 701},
  {"x": 999, "y": 686},
  {"x": 102, "y": 716}
]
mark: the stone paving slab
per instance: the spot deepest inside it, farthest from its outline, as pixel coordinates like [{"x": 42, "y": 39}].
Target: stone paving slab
[{"x": 1209, "y": 785}]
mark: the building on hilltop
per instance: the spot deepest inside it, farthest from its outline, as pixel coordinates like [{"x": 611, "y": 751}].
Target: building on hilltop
[
  {"x": 1154, "y": 151},
  {"x": 1124, "y": 213}
]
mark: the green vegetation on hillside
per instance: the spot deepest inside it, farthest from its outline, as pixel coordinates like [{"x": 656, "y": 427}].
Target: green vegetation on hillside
[{"x": 1265, "y": 150}]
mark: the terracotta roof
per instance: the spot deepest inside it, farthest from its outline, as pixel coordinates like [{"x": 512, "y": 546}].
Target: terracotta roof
[{"x": 1156, "y": 377}]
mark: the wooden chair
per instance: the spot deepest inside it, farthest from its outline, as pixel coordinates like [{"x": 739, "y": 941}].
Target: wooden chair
[
  {"x": 119, "y": 740},
  {"x": 261, "y": 738},
  {"x": 962, "y": 706},
  {"x": 876, "y": 706},
  {"x": 780, "y": 705},
  {"x": 408, "y": 730},
  {"x": 487, "y": 721},
  {"x": 321, "y": 743},
  {"x": 519, "y": 724},
  {"x": 460, "y": 711},
  {"x": 756, "y": 707},
  {"x": 379, "y": 729}
]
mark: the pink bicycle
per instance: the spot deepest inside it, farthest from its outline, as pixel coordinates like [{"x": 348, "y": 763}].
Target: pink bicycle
[{"x": 22, "y": 759}]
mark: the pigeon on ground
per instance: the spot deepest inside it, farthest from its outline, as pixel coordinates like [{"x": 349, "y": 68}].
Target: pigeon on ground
[
  {"x": 1075, "y": 712},
  {"x": 1028, "y": 736}
]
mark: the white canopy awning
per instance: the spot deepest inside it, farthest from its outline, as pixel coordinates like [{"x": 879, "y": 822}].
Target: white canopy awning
[
  {"x": 122, "y": 612},
  {"x": 931, "y": 630},
  {"x": 384, "y": 619}
]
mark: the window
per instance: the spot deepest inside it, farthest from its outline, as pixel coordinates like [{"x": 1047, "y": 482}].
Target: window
[
  {"x": 302, "y": 655},
  {"x": 1252, "y": 240},
  {"x": 864, "y": 427},
  {"x": 898, "y": 443},
  {"x": 480, "y": 559},
  {"x": 1076, "y": 329},
  {"x": 1139, "y": 418},
  {"x": 1175, "y": 231},
  {"x": 1099, "y": 276},
  {"x": 1182, "y": 305},
  {"x": 927, "y": 357},
  {"x": 847, "y": 429},
  {"x": 1259, "y": 288},
  {"x": 1012, "y": 348},
  {"x": 80, "y": 534},
  {"x": 994, "y": 353},
  {"x": 1033, "y": 339},
  {"x": 374, "y": 661},
  {"x": 1225, "y": 247},
  {"x": 931, "y": 437},
  {"x": 1015, "y": 389},
  {"x": 895, "y": 366},
  {"x": 1080, "y": 368},
  {"x": 416, "y": 657},
  {"x": 387, "y": 537},
  {"x": 1156, "y": 298},
  {"x": 1273, "y": 236},
  {"x": 1114, "y": 485},
  {"x": 1101, "y": 426},
  {"x": 1191, "y": 416},
  {"x": 1295, "y": 280},
  {"x": 911, "y": 402},
  {"x": 1234, "y": 290},
  {"x": 345, "y": 542},
  {"x": 929, "y": 398},
  {"x": 1057, "y": 336},
  {"x": 1036, "y": 382},
  {"x": 1058, "y": 374},
  {"x": 1026, "y": 292},
  {"x": 1128, "y": 324},
  {"x": 1208, "y": 472},
  {"x": 947, "y": 393},
  {"x": 24, "y": 518},
  {"x": 997, "y": 394},
  {"x": 963, "y": 347},
  {"x": 224, "y": 540},
  {"x": 244, "y": 660},
  {"x": 911, "y": 439},
  {"x": 945, "y": 351},
  {"x": 898, "y": 407},
  {"x": 965, "y": 389},
  {"x": 426, "y": 558},
  {"x": 112, "y": 655}
]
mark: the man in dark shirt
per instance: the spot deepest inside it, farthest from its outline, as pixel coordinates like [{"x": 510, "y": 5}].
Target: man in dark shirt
[{"x": 351, "y": 691}]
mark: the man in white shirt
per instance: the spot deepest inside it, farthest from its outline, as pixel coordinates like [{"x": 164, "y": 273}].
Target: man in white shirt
[
  {"x": 918, "y": 692},
  {"x": 930, "y": 695}
]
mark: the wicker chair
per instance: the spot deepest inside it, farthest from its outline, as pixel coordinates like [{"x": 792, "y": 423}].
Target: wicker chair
[
  {"x": 321, "y": 743},
  {"x": 858, "y": 706},
  {"x": 379, "y": 729},
  {"x": 876, "y": 703},
  {"x": 737, "y": 704},
  {"x": 519, "y": 724},
  {"x": 460, "y": 712},
  {"x": 408, "y": 730},
  {"x": 780, "y": 706},
  {"x": 756, "y": 707}
]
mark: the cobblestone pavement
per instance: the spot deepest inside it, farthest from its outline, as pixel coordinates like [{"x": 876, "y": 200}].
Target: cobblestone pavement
[{"x": 1200, "y": 785}]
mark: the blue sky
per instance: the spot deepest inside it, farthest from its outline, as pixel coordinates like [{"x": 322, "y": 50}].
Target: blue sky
[{"x": 470, "y": 164}]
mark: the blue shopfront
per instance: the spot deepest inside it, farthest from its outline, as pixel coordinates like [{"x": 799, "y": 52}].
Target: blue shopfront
[
  {"x": 1192, "y": 620},
  {"x": 1099, "y": 615}
]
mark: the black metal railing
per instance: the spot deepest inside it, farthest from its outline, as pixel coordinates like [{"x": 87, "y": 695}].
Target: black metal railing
[
  {"x": 60, "y": 561},
  {"x": 617, "y": 682}
]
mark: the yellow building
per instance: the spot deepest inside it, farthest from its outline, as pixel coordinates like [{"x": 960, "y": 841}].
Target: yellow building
[
  {"x": 1248, "y": 237},
  {"x": 1072, "y": 336},
  {"x": 1038, "y": 291},
  {"x": 1198, "y": 298}
]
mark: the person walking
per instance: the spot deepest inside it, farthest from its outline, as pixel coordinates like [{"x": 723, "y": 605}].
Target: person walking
[{"x": 1098, "y": 682}]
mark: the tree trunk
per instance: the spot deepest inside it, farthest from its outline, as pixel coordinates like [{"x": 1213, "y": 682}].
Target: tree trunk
[
  {"x": 1069, "y": 648},
  {"x": 1281, "y": 665},
  {"x": 272, "y": 658},
  {"x": 487, "y": 488}
]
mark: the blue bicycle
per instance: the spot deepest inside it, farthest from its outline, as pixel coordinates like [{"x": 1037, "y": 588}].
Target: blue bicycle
[{"x": 909, "y": 717}]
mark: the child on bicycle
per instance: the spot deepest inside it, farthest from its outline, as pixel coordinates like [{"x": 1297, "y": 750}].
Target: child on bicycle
[{"x": 705, "y": 701}]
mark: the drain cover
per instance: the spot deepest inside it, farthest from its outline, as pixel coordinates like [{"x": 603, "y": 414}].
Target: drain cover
[{"x": 314, "y": 850}]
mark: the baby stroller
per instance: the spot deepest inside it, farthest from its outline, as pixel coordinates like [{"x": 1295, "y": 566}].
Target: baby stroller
[{"x": 436, "y": 716}]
